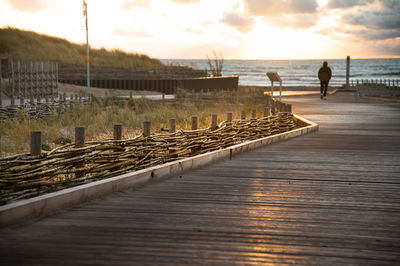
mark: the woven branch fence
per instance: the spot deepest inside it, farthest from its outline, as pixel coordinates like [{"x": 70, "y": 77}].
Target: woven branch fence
[
  {"x": 26, "y": 175},
  {"x": 42, "y": 110}
]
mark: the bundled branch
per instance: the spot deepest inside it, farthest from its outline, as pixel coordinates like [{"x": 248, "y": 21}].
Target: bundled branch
[{"x": 24, "y": 176}]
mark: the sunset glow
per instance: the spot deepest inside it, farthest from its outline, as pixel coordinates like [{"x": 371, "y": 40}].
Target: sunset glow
[{"x": 243, "y": 29}]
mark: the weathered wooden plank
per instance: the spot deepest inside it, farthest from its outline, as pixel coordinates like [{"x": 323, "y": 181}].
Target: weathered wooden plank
[{"x": 329, "y": 198}]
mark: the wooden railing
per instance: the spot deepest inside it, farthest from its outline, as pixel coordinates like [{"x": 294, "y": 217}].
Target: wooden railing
[{"x": 375, "y": 88}]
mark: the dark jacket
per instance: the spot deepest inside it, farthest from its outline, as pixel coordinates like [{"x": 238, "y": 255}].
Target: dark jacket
[{"x": 325, "y": 72}]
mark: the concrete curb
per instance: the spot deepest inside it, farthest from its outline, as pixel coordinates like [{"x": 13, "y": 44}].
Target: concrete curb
[{"x": 20, "y": 211}]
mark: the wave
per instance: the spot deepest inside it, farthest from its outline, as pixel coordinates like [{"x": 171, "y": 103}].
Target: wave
[
  {"x": 391, "y": 74},
  {"x": 304, "y": 72}
]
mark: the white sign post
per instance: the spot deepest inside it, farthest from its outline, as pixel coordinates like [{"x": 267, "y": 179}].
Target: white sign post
[{"x": 273, "y": 76}]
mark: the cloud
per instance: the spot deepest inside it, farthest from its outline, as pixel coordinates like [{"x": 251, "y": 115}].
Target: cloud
[
  {"x": 273, "y": 8},
  {"x": 241, "y": 22},
  {"x": 303, "y": 6},
  {"x": 30, "y": 6},
  {"x": 185, "y": 1},
  {"x": 386, "y": 48},
  {"x": 388, "y": 19},
  {"x": 365, "y": 20},
  {"x": 378, "y": 24},
  {"x": 286, "y": 13},
  {"x": 377, "y": 35},
  {"x": 195, "y": 31},
  {"x": 131, "y": 33},
  {"x": 299, "y": 21},
  {"x": 129, "y": 4},
  {"x": 343, "y": 4}
]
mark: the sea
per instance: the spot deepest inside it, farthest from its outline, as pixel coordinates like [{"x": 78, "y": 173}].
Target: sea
[{"x": 300, "y": 72}]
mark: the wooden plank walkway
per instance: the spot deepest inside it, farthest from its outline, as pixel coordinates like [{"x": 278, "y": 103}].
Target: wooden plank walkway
[{"x": 328, "y": 198}]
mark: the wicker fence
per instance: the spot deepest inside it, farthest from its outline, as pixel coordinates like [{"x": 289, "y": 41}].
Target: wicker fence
[
  {"x": 38, "y": 110},
  {"x": 28, "y": 175},
  {"x": 29, "y": 80}
]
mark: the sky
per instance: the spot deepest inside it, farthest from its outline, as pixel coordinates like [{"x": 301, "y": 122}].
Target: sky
[{"x": 237, "y": 29}]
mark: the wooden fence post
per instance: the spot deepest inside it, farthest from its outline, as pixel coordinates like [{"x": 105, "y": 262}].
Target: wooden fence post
[
  {"x": 79, "y": 143},
  {"x": 214, "y": 119},
  {"x": 49, "y": 82},
  {"x": 19, "y": 87},
  {"x": 272, "y": 107},
  {"x": 229, "y": 117},
  {"x": 52, "y": 80},
  {"x": 30, "y": 87},
  {"x": 79, "y": 137},
  {"x": 172, "y": 125},
  {"x": 254, "y": 114},
  {"x": 11, "y": 82},
  {"x": 1, "y": 88},
  {"x": 56, "y": 77},
  {"x": 146, "y": 128},
  {"x": 17, "y": 80},
  {"x": 41, "y": 80},
  {"x": 37, "y": 82},
  {"x": 36, "y": 143},
  {"x": 25, "y": 79},
  {"x": 243, "y": 115},
  {"x": 46, "y": 81},
  {"x": 266, "y": 111},
  {"x": 194, "y": 122},
  {"x": 347, "y": 71},
  {"x": 117, "y": 132}
]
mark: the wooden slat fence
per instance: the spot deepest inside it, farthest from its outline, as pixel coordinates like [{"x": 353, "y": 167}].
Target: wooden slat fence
[
  {"x": 209, "y": 83},
  {"x": 375, "y": 88},
  {"x": 28, "y": 80},
  {"x": 167, "y": 86}
]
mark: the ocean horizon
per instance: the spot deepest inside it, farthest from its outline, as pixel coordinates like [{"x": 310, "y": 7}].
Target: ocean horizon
[{"x": 300, "y": 72}]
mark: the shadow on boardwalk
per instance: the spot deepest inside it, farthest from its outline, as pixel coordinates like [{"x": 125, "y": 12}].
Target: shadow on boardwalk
[{"x": 332, "y": 197}]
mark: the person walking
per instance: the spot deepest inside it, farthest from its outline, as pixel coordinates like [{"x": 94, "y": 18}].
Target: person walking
[{"x": 324, "y": 75}]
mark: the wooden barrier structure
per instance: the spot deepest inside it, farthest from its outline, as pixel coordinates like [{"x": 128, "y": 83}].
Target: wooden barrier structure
[
  {"x": 375, "y": 88},
  {"x": 38, "y": 172},
  {"x": 29, "y": 80},
  {"x": 167, "y": 86},
  {"x": 209, "y": 83}
]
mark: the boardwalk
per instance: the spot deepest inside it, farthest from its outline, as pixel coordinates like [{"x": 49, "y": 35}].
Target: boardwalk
[{"x": 331, "y": 197}]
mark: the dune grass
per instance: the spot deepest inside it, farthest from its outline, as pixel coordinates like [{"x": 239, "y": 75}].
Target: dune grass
[
  {"x": 29, "y": 45},
  {"x": 99, "y": 118}
]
